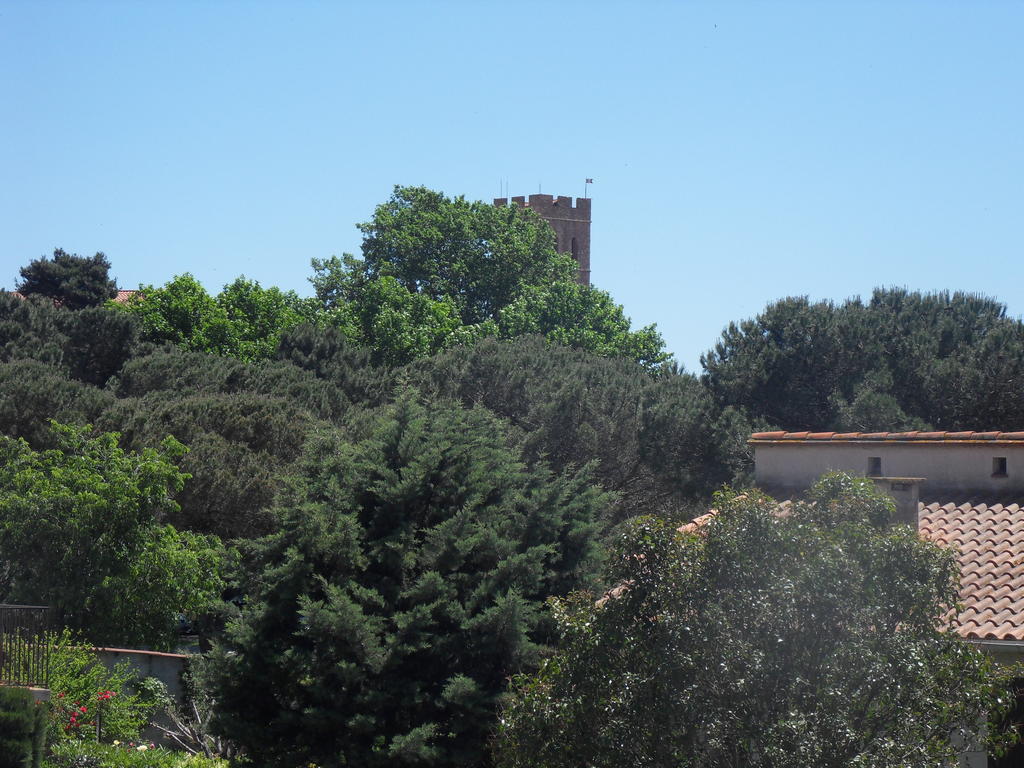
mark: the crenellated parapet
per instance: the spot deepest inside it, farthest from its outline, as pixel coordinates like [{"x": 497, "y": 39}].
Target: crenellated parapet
[
  {"x": 551, "y": 207},
  {"x": 570, "y": 221}
]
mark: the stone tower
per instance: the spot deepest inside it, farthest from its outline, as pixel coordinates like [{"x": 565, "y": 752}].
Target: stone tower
[{"x": 571, "y": 225}]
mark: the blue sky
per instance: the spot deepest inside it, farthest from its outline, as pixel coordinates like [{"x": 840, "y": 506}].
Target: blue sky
[{"x": 741, "y": 152}]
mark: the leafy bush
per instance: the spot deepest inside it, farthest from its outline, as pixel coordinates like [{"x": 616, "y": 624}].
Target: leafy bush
[
  {"x": 82, "y": 688},
  {"x": 19, "y": 724},
  {"x": 80, "y": 754}
]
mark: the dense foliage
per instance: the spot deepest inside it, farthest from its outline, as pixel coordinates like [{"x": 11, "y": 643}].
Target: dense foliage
[
  {"x": 405, "y": 583},
  {"x": 85, "y": 693},
  {"x": 437, "y": 272},
  {"x": 479, "y": 256},
  {"x": 657, "y": 441},
  {"x": 903, "y": 360},
  {"x": 766, "y": 638},
  {"x": 450, "y": 431},
  {"x": 244, "y": 320},
  {"x": 79, "y": 531},
  {"x": 70, "y": 280},
  {"x": 89, "y": 345},
  {"x": 22, "y": 724}
]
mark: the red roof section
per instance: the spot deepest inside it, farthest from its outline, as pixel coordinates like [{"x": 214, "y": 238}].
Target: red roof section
[
  {"x": 845, "y": 437},
  {"x": 121, "y": 297},
  {"x": 989, "y": 541}
]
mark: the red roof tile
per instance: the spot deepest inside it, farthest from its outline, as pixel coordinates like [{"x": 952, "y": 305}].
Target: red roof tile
[
  {"x": 989, "y": 541},
  {"x": 122, "y": 296},
  {"x": 844, "y": 437}
]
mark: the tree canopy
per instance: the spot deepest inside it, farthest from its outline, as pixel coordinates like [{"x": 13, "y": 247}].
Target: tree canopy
[
  {"x": 244, "y": 320},
  {"x": 478, "y": 255},
  {"x": 405, "y": 582},
  {"x": 903, "y": 360},
  {"x": 658, "y": 442},
  {"x": 437, "y": 272},
  {"x": 70, "y": 280},
  {"x": 760, "y": 638},
  {"x": 79, "y": 531}
]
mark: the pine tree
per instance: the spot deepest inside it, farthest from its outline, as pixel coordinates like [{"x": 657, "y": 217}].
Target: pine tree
[
  {"x": 404, "y": 585},
  {"x": 73, "y": 281}
]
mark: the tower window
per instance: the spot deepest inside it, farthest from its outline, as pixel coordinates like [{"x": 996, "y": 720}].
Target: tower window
[
  {"x": 573, "y": 248},
  {"x": 874, "y": 466},
  {"x": 999, "y": 466}
]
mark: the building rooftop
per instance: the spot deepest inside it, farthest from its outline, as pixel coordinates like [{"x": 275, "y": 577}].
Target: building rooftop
[
  {"x": 122, "y": 296},
  {"x": 989, "y": 544},
  {"x": 873, "y": 437}
]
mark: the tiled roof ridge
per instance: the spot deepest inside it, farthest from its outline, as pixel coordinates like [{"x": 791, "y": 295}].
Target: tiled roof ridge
[
  {"x": 944, "y": 437},
  {"x": 123, "y": 295}
]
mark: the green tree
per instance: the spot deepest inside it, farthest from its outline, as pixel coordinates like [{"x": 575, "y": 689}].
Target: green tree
[
  {"x": 91, "y": 344},
  {"x": 259, "y": 316},
  {"x": 240, "y": 445},
  {"x": 73, "y": 281},
  {"x": 328, "y": 354},
  {"x": 79, "y": 532},
  {"x": 759, "y": 639},
  {"x": 35, "y": 393},
  {"x": 20, "y": 723},
  {"x": 397, "y": 325},
  {"x": 478, "y": 255},
  {"x": 584, "y": 317},
  {"x": 438, "y": 272},
  {"x": 404, "y": 584},
  {"x": 183, "y": 313},
  {"x": 903, "y": 360},
  {"x": 657, "y": 441},
  {"x": 244, "y": 320},
  {"x": 782, "y": 367}
]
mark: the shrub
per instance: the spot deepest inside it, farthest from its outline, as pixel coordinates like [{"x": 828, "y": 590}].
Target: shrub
[
  {"x": 19, "y": 723},
  {"x": 82, "y": 688},
  {"x": 124, "y": 755}
]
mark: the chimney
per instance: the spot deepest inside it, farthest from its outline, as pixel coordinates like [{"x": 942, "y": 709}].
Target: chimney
[{"x": 906, "y": 492}]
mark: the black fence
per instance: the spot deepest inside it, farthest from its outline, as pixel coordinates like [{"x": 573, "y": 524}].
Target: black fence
[{"x": 24, "y": 647}]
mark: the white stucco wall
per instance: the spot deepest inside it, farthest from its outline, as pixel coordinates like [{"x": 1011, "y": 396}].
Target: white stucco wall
[{"x": 946, "y": 466}]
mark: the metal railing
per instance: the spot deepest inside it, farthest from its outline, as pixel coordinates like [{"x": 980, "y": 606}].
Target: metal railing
[{"x": 24, "y": 647}]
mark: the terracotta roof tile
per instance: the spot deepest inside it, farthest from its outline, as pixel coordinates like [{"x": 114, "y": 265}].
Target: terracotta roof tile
[
  {"x": 886, "y": 436},
  {"x": 122, "y": 296},
  {"x": 697, "y": 523},
  {"x": 989, "y": 542}
]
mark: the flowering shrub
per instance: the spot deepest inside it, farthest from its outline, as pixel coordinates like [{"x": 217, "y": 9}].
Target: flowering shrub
[
  {"x": 89, "y": 700},
  {"x": 76, "y": 716}
]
